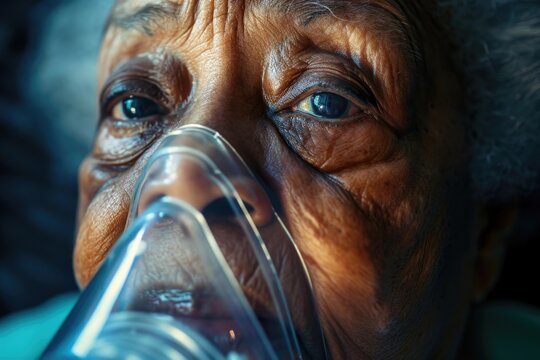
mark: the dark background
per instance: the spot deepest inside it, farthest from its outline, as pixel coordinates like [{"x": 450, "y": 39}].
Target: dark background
[{"x": 47, "y": 113}]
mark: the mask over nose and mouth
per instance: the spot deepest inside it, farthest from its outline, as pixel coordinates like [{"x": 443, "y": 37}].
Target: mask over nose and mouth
[{"x": 205, "y": 269}]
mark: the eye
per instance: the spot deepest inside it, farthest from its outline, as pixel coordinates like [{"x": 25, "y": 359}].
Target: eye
[
  {"x": 136, "y": 107},
  {"x": 327, "y": 105}
]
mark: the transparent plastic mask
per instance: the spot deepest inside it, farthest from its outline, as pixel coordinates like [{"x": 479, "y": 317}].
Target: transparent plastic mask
[{"x": 205, "y": 269}]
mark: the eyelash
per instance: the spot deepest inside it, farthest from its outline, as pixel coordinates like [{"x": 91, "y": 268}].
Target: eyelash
[
  {"x": 119, "y": 91},
  {"x": 362, "y": 99}
]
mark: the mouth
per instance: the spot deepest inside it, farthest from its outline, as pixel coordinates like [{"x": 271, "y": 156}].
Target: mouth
[{"x": 210, "y": 316}]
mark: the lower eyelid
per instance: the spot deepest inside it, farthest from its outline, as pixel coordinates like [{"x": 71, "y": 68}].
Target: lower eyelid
[
  {"x": 119, "y": 141},
  {"x": 331, "y": 146}
]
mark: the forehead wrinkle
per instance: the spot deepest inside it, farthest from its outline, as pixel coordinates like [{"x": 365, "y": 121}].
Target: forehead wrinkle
[
  {"x": 305, "y": 11},
  {"x": 391, "y": 19},
  {"x": 396, "y": 17},
  {"x": 148, "y": 18},
  {"x": 388, "y": 16}
]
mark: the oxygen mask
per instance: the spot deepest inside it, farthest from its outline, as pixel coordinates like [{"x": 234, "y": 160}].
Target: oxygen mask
[{"x": 204, "y": 270}]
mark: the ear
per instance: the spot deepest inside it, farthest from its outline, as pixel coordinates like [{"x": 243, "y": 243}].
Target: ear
[{"x": 495, "y": 223}]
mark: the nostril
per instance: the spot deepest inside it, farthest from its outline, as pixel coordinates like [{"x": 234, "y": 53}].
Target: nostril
[
  {"x": 221, "y": 209},
  {"x": 249, "y": 208},
  {"x": 218, "y": 209}
]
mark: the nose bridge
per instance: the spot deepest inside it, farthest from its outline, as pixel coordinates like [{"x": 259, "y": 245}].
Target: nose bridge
[
  {"x": 227, "y": 92},
  {"x": 228, "y": 107}
]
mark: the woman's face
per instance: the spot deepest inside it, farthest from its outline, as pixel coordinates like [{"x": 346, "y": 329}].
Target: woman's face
[{"x": 347, "y": 110}]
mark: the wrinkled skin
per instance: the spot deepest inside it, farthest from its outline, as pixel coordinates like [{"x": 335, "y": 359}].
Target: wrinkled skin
[{"x": 377, "y": 199}]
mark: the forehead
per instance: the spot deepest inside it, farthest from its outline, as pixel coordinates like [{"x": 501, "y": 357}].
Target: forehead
[
  {"x": 398, "y": 23},
  {"x": 285, "y": 5},
  {"x": 129, "y": 12}
]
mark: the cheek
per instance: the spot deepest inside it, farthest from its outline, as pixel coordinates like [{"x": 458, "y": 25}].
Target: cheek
[
  {"x": 334, "y": 239},
  {"x": 102, "y": 219},
  {"x": 372, "y": 240}
]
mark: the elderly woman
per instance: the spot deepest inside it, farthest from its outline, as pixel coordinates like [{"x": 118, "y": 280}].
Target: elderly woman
[
  {"x": 371, "y": 125},
  {"x": 361, "y": 123}
]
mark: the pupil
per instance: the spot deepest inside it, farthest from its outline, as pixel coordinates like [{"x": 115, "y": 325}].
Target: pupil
[
  {"x": 139, "y": 107},
  {"x": 329, "y": 105}
]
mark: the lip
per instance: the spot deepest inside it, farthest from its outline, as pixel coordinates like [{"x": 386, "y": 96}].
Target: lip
[
  {"x": 208, "y": 315},
  {"x": 177, "y": 302}
]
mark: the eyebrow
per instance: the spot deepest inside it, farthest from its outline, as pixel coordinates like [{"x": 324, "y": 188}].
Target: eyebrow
[{"x": 147, "y": 18}]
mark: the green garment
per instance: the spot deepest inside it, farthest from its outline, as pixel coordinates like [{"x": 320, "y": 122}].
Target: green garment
[{"x": 25, "y": 335}]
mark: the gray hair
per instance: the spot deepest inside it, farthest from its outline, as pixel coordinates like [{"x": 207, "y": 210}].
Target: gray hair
[{"x": 498, "y": 53}]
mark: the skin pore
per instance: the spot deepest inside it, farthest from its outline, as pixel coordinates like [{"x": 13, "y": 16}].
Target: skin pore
[{"x": 375, "y": 194}]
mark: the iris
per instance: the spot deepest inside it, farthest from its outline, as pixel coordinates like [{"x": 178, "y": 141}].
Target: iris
[
  {"x": 329, "y": 105},
  {"x": 136, "y": 107}
]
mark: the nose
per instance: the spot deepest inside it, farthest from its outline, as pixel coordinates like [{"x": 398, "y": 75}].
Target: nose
[{"x": 187, "y": 178}]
